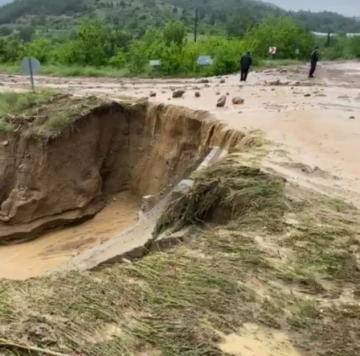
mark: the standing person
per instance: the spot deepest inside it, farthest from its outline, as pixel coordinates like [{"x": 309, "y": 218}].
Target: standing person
[
  {"x": 245, "y": 64},
  {"x": 313, "y": 61}
]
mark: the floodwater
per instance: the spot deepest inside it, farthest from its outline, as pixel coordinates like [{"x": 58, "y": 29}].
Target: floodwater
[{"x": 35, "y": 257}]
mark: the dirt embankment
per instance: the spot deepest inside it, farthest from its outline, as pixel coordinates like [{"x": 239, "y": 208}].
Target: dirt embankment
[{"x": 51, "y": 182}]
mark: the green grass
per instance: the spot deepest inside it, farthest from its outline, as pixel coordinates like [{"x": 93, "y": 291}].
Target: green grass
[
  {"x": 69, "y": 71},
  {"x": 14, "y": 104},
  {"x": 44, "y": 113},
  {"x": 268, "y": 63},
  {"x": 179, "y": 301},
  {"x": 111, "y": 72},
  {"x": 242, "y": 193}
]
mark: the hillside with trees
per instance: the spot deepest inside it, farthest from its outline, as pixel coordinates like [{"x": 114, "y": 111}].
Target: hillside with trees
[
  {"x": 86, "y": 37},
  {"x": 230, "y": 17}
]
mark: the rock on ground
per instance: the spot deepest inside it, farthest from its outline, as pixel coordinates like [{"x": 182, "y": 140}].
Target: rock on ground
[
  {"x": 237, "y": 100},
  {"x": 221, "y": 102},
  {"x": 178, "y": 93}
]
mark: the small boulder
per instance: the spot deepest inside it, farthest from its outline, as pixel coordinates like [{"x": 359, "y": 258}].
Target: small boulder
[
  {"x": 352, "y": 117},
  {"x": 221, "y": 102},
  {"x": 197, "y": 94},
  {"x": 152, "y": 94},
  {"x": 5, "y": 143},
  {"x": 307, "y": 95},
  {"x": 178, "y": 93},
  {"x": 222, "y": 81},
  {"x": 237, "y": 100},
  {"x": 204, "y": 81}
]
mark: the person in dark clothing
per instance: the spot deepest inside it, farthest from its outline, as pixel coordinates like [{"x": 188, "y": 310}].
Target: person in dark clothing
[
  {"x": 245, "y": 64},
  {"x": 313, "y": 62}
]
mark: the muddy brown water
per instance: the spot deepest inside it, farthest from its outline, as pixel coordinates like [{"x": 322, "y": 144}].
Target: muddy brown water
[{"x": 35, "y": 257}]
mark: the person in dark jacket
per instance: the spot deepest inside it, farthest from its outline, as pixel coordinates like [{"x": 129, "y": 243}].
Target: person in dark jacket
[
  {"x": 245, "y": 64},
  {"x": 313, "y": 61}
]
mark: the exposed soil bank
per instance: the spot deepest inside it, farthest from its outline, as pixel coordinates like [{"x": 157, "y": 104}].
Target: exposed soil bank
[{"x": 49, "y": 182}]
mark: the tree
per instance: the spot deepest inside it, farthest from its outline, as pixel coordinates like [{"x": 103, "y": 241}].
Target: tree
[
  {"x": 136, "y": 57},
  {"x": 26, "y": 33},
  {"x": 5, "y": 31},
  {"x": 40, "y": 48},
  {"x": 283, "y": 33},
  {"x": 174, "y": 32},
  {"x": 239, "y": 23},
  {"x": 90, "y": 42}
]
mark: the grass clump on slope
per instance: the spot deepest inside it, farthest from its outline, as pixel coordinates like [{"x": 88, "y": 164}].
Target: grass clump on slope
[
  {"x": 42, "y": 113},
  {"x": 229, "y": 191}
]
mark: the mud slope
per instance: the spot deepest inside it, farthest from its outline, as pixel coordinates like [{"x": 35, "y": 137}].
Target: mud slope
[{"x": 54, "y": 178}]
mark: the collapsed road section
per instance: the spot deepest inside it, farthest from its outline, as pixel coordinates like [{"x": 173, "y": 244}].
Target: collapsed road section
[{"x": 65, "y": 159}]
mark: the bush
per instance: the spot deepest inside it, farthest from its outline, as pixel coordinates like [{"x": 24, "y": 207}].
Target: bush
[
  {"x": 119, "y": 60},
  {"x": 283, "y": 33}
]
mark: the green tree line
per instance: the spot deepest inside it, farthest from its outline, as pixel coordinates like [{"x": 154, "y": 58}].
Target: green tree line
[{"x": 95, "y": 44}]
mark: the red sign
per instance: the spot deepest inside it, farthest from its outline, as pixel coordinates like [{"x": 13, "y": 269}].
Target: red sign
[{"x": 272, "y": 50}]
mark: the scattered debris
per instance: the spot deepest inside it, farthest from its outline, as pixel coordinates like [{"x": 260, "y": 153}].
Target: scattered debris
[
  {"x": 237, "y": 100},
  {"x": 279, "y": 82},
  {"x": 221, "y": 102},
  {"x": 276, "y": 82},
  {"x": 178, "y": 93}
]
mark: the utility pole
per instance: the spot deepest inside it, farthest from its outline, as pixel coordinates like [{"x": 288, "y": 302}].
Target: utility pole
[
  {"x": 328, "y": 40},
  {"x": 196, "y": 25}
]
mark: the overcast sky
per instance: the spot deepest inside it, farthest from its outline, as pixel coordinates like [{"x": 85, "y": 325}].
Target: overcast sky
[{"x": 346, "y": 7}]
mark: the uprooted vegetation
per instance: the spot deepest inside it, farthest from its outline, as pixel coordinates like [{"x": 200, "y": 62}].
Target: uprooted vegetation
[
  {"x": 259, "y": 250},
  {"x": 226, "y": 192}
]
